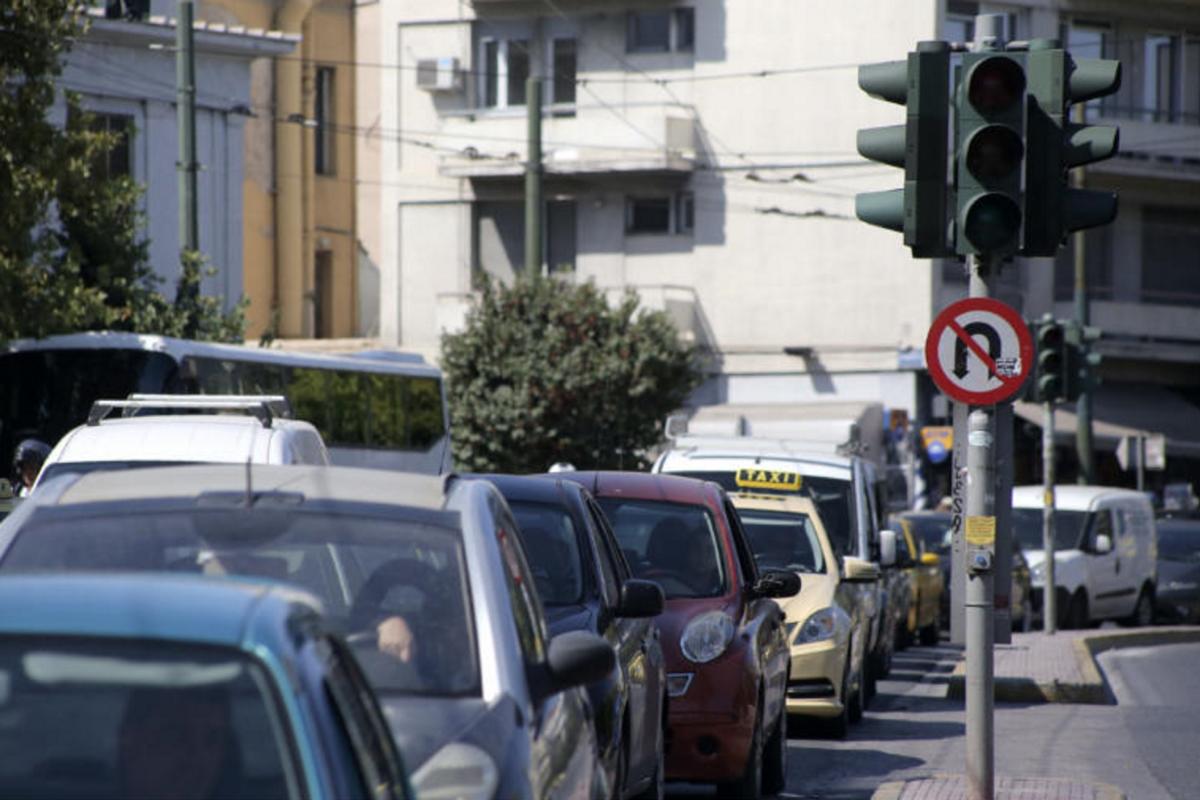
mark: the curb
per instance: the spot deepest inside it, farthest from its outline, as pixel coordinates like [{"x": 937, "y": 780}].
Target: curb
[
  {"x": 1092, "y": 689},
  {"x": 954, "y": 787}
]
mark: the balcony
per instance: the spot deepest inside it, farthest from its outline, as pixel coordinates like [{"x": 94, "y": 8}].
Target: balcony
[{"x": 647, "y": 139}]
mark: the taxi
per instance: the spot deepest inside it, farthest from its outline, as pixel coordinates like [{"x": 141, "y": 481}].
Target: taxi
[
  {"x": 826, "y": 623},
  {"x": 925, "y": 584}
]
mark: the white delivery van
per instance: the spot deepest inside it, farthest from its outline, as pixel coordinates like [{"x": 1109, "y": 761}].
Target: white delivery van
[
  {"x": 1105, "y": 552},
  {"x": 206, "y": 429}
]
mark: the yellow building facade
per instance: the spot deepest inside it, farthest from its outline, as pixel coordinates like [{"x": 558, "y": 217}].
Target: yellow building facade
[{"x": 299, "y": 241}]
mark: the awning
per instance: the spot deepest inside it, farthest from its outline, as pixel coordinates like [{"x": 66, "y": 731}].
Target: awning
[{"x": 1120, "y": 410}]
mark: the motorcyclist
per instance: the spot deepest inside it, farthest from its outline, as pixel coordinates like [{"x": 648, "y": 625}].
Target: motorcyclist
[{"x": 27, "y": 463}]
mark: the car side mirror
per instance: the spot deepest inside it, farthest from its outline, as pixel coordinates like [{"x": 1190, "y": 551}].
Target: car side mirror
[
  {"x": 887, "y": 548},
  {"x": 777, "y": 583},
  {"x": 930, "y": 560},
  {"x": 639, "y": 599},
  {"x": 859, "y": 571},
  {"x": 1103, "y": 543},
  {"x": 574, "y": 658}
]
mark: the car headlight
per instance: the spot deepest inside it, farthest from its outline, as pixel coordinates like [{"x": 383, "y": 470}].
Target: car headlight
[
  {"x": 458, "y": 770},
  {"x": 1038, "y": 573},
  {"x": 819, "y": 626},
  {"x": 706, "y": 636}
]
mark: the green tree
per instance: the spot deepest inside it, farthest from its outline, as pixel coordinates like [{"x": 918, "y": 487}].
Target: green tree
[
  {"x": 547, "y": 371},
  {"x": 73, "y": 255}
]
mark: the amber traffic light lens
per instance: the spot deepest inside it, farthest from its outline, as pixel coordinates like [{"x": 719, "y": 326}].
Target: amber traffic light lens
[
  {"x": 994, "y": 152},
  {"x": 996, "y": 84}
]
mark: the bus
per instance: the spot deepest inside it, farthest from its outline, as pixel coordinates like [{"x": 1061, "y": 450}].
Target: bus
[{"x": 377, "y": 409}]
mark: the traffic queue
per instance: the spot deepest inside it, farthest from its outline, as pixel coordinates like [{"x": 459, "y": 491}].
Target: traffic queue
[{"x": 351, "y": 632}]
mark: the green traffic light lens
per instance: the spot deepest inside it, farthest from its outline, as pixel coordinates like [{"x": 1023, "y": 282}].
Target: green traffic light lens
[
  {"x": 992, "y": 222},
  {"x": 995, "y": 84},
  {"x": 994, "y": 152}
]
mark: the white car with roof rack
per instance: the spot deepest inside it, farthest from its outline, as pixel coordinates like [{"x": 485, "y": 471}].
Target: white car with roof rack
[{"x": 206, "y": 429}]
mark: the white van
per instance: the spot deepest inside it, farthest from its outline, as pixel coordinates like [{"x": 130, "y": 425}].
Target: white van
[
  {"x": 1105, "y": 552},
  {"x": 257, "y": 431}
]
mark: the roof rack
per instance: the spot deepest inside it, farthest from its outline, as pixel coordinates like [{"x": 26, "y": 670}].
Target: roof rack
[{"x": 265, "y": 407}]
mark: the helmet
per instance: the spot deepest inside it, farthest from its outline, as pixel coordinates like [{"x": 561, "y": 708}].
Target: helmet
[{"x": 32, "y": 452}]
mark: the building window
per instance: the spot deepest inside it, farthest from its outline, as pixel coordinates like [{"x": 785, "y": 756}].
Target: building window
[
  {"x": 117, "y": 161},
  {"x": 660, "y": 214},
  {"x": 1190, "y": 72},
  {"x": 1162, "y": 72},
  {"x": 1170, "y": 256},
  {"x": 1098, "y": 265},
  {"x": 499, "y": 246},
  {"x": 323, "y": 145},
  {"x": 505, "y": 70},
  {"x": 323, "y": 294},
  {"x": 960, "y": 22},
  {"x": 661, "y": 31},
  {"x": 563, "y": 68}
]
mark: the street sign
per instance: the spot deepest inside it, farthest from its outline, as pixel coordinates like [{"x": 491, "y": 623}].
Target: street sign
[
  {"x": 979, "y": 351},
  {"x": 937, "y": 441}
]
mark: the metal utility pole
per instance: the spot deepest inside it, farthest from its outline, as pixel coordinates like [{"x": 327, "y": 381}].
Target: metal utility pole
[
  {"x": 534, "y": 207},
  {"x": 1050, "y": 594},
  {"x": 185, "y": 89}
]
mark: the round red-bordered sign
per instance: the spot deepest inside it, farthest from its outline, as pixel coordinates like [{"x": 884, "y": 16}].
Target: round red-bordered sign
[{"x": 979, "y": 351}]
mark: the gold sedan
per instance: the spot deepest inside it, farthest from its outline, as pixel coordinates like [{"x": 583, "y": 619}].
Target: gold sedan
[
  {"x": 925, "y": 587},
  {"x": 826, "y": 623}
]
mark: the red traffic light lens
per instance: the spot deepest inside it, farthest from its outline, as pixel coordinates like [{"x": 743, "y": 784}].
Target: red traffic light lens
[
  {"x": 994, "y": 152},
  {"x": 991, "y": 222},
  {"x": 995, "y": 84}
]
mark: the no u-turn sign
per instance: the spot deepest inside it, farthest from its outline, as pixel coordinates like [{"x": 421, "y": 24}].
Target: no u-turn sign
[{"x": 979, "y": 351}]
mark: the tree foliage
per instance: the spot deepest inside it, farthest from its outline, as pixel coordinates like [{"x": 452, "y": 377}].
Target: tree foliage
[
  {"x": 546, "y": 371},
  {"x": 73, "y": 255}
]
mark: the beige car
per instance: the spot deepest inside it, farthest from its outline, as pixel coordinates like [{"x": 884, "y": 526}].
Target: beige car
[{"x": 826, "y": 622}]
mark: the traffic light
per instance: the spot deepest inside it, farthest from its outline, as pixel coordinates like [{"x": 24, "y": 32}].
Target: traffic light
[
  {"x": 989, "y": 152},
  {"x": 1048, "y": 383},
  {"x": 1081, "y": 364},
  {"x": 922, "y": 84},
  {"x": 1055, "y": 144}
]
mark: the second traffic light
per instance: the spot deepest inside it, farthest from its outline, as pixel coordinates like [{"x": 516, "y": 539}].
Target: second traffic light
[
  {"x": 989, "y": 108},
  {"x": 1049, "y": 374}
]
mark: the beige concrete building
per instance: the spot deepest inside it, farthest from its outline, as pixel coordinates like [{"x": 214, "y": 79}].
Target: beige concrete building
[
  {"x": 702, "y": 153},
  {"x": 300, "y": 251}
]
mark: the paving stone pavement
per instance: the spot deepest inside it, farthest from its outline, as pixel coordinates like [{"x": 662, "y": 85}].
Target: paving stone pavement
[{"x": 954, "y": 787}]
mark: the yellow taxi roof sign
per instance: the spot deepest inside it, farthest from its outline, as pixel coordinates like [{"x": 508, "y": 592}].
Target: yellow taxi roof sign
[{"x": 777, "y": 479}]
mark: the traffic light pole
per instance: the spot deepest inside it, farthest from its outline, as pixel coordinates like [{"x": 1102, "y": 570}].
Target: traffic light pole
[
  {"x": 1049, "y": 593},
  {"x": 980, "y": 589}
]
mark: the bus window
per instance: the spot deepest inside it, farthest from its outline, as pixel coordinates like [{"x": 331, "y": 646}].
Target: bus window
[{"x": 223, "y": 376}]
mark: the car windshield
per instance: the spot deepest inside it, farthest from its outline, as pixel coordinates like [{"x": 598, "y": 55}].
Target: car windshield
[
  {"x": 552, "y": 547},
  {"x": 674, "y": 544},
  {"x": 833, "y": 497},
  {"x": 935, "y": 530},
  {"x": 1179, "y": 540},
  {"x": 1068, "y": 528},
  {"x": 90, "y": 717},
  {"x": 396, "y": 588},
  {"x": 783, "y": 540}
]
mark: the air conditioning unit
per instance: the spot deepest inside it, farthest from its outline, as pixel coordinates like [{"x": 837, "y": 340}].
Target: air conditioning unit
[{"x": 439, "y": 74}]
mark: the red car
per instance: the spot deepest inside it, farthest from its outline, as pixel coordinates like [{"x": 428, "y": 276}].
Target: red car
[{"x": 723, "y": 637}]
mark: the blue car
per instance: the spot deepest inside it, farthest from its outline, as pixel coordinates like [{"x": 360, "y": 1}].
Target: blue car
[{"x": 134, "y": 686}]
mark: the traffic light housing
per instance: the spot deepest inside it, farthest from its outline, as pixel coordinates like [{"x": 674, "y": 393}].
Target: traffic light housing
[
  {"x": 919, "y": 146},
  {"x": 1055, "y": 145},
  {"x": 989, "y": 107},
  {"x": 1081, "y": 364},
  {"x": 1049, "y": 371}
]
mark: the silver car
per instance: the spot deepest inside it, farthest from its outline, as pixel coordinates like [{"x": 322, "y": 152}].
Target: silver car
[{"x": 423, "y": 575}]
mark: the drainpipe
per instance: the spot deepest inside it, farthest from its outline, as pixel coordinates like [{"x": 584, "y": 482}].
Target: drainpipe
[{"x": 290, "y": 169}]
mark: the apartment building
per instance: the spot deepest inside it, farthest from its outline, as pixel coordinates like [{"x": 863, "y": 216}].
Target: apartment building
[{"x": 702, "y": 154}]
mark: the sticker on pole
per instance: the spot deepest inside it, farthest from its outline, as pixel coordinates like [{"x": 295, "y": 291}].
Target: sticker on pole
[{"x": 979, "y": 351}]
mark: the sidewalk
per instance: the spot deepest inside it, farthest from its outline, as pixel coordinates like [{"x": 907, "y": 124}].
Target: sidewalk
[
  {"x": 954, "y": 787},
  {"x": 1037, "y": 668}
]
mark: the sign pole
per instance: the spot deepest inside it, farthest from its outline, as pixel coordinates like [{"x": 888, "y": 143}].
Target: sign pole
[
  {"x": 980, "y": 529},
  {"x": 1050, "y": 593}
]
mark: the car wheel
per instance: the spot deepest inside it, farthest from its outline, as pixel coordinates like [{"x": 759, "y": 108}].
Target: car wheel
[
  {"x": 929, "y": 634},
  {"x": 749, "y": 785},
  {"x": 857, "y": 702},
  {"x": 837, "y": 727},
  {"x": 1077, "y": 612},
  {"x": 1143, "y": 612},
  {"x": 775, "y": 758}
]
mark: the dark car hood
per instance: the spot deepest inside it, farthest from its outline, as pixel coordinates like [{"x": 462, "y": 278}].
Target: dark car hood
[
  {"x": 423, "y": 725},
  {"x": 561, "y": 619}
]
